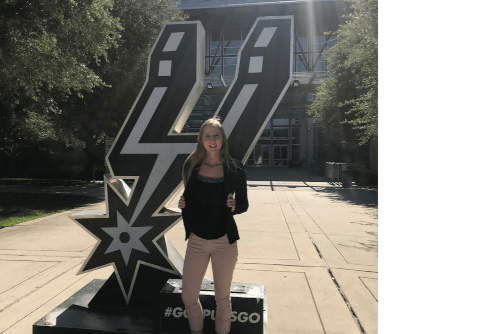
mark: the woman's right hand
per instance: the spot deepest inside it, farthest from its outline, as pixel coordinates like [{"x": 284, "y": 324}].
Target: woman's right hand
[{"x": 182, "y": 203}]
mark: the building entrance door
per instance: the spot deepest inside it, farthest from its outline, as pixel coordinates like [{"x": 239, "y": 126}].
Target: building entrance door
[
  {"x": 295, "y": 155},
  {"x": 280, "y": 157},
  {"x": 265, "y": 155}
]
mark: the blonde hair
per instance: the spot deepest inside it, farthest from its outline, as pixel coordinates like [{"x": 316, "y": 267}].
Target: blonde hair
[{"x": 200, "y": 152}]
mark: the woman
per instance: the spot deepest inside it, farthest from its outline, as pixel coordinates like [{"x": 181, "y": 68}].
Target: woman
[{"x": 210, "y": 178}]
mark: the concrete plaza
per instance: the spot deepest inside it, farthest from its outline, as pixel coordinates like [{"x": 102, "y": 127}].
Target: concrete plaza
[{"x": 312, "y": 245}]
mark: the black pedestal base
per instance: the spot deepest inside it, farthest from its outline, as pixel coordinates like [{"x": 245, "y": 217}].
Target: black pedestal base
[
  {"x": 249, "y": 304},
  {"x": 75, "y": 316},
  {"x": 78, "y": 315}
]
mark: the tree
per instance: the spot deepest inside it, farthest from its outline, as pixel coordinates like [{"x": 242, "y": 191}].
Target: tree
[
  {"x": 347, "y": 101},
  {"x": 94, "y": 115},
  {"x": 52, "y": 42},
  {"x": 47, "y": 48},
  {"x": 51, "y": 104}
]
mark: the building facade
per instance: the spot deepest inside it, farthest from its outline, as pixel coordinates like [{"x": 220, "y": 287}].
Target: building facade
[{"x": 290, "y": 139}]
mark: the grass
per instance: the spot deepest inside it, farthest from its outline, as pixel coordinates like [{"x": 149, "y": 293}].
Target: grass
[{"x": 17, "y": 208}]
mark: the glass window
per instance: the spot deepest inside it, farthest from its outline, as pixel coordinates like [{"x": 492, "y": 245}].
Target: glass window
[
  {"x": 301, "y": 44},
  {"x": 319, "y": 41},
  {"x": 295, "y": 135},
  {"x": 280, "y": 132},
  {"x": 215, "y": 42},
  {"x": 258, "y": 154},
  {"x": 281, "y": 121},
  {"x": 277, "y": 155},
  {"x": 265, "y": 153},
  {"x": 261, "y": 155},
  {"x": 230, "y": 65},
  {"x": 320, "y": 63},
  {"x": 232, "y": 47},
  {"x": 232, "y": 41},
  {"x": 284, "y": 153},
  {"x": 300, "y": 63},
  {"x": 212, "y": 66},
  {"x": 280, "y": 155}
]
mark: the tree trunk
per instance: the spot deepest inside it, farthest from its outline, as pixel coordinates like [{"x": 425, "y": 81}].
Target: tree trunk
[{"x": 89, "y": 167}]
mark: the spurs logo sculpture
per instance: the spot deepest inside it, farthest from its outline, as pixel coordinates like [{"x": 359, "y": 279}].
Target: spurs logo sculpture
[{"x": 150, "y": 148}]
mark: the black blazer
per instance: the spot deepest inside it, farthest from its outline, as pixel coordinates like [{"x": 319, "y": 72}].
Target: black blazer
[{"x": 236, "y": 184}]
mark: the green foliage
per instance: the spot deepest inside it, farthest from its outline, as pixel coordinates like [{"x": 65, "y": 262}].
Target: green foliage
[
  {"x": 101, "y": 113},
  {"x": 51, "y": 43},
  {"x": 71, "y": 69},
  {"x": 47, "y": 50},
  {"x": 347, "y": 101}
]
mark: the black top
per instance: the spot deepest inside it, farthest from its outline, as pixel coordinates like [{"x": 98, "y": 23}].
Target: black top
[
  {"x": 209, "y": 219},
  {"x": 235, "y": 182}
]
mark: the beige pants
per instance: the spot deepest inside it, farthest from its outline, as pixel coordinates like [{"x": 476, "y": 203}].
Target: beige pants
[{"x": 224, "y": 256}]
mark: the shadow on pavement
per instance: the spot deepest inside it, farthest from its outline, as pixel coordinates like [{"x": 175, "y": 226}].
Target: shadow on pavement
[
  {"x": 281, "y": 174},
  {"x": 303, "y": 179},
  {"x": 358, "y": 196}
]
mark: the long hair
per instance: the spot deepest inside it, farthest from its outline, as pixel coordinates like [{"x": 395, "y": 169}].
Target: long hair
[{"x": 200, "y": 152}]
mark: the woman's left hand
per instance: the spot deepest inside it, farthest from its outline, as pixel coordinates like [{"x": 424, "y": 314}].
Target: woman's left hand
[{"x": 231, "y": 202}]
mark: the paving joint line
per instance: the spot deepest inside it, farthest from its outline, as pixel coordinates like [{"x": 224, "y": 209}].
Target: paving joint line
[
  {"x": 342, "y": 294},
  {"x": 283, "y": 265},
  {"x": 44, "y": 303},
  {"x": 370, "y": 291},
  {"x": 289, "y": 230},
  {"x": 38, "y": 288},
  {"x": 27, "y": 279},
  {"x": 338, "y": 250},
  {"x": 315, "y": 305}
]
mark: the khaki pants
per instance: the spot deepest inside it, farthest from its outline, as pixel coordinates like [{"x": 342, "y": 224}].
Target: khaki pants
[{"x": 224, "y": 256}]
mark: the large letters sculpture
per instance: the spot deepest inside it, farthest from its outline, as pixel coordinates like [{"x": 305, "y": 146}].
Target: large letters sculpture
[{"x": 150, "y": 149}]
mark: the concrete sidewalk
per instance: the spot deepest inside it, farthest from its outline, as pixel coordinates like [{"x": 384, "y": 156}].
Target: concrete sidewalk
[{"x": 313, "y": 246}]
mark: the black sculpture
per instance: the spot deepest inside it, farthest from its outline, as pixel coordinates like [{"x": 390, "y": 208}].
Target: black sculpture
[{"x": 150, "y": 149}]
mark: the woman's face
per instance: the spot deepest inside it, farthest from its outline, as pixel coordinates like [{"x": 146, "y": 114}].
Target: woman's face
[{"x": 212, "y": 138}]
